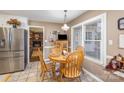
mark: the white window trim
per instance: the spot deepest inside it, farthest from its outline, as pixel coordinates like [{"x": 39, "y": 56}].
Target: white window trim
[
  {"x": 80, "y": 24},
  {"x": 93, "y": 60},
  {"x": 104, "y": 38}
]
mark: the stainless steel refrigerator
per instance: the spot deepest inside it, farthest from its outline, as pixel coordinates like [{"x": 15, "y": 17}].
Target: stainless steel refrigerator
[{"x": 12, "y": 50}]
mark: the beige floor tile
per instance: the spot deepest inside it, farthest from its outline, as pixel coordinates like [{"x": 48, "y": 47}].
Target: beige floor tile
[
  {"x": 21, "y": 80},
  {"x": 24, "y": 72},
  {"x": 33, "y": 71},
  {"x": 32, "y": 79},
  {"x": 23, "y": 76},
  {"x": 34, "y": 64},
  {"x": 16, "y": 73},
  {"x": 1, "y": 77},
  {"x": 32, "y": 74},
  {"x": 14, "y": 77}
]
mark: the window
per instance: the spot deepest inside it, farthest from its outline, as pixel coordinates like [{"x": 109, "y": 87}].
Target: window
[
  {"x": 92, "y": 41},
  {"x": 94, "y": 31},
  {"x": 92, "y": 35},
  {"x": 77, "y": 36}
]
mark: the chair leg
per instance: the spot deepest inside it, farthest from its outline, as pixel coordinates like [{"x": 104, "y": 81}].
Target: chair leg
[
  {"x": 45, "y": 76},
  {"x": 61, "y": 72},
  {"x": 61, "y": 75},
  {"x": 54, "y": 71},
  {"x": 42, "y": 77},
  {"x": 41, "y": 73},
  {"x": 78, "y": 79}
]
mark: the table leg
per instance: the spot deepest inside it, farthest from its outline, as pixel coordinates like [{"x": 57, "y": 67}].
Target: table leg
[
  {"x": 61, "y": 74},
  {"x": 54, "y": 71}
]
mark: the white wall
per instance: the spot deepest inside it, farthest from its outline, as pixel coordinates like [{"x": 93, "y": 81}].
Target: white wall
[{"x": 5, "y": 18}]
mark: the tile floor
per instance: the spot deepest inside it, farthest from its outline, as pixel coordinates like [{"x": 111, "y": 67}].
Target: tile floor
[{"x": 32, "y": 74}]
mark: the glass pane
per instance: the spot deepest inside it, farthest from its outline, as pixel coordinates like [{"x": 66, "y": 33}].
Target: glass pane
[
  {"x": 92, "y": 49},
  {"x": 77, "y": 37},
  {"x": 93, "y": 31}
]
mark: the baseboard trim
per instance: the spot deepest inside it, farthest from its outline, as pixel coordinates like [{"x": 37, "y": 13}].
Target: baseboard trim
[
  {"x": 93, "y": 76},
  {"x": 109, "y": 57},
  {"x": 118, "y": 73}
]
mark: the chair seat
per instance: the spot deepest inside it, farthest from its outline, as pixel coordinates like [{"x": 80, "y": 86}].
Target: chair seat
[{"x": 71, "y": 73}]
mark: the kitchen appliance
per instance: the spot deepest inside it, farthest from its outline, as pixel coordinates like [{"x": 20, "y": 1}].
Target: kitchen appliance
[
  {"x": 37, "y": 43},
  {"x": 13, "y": 51}
]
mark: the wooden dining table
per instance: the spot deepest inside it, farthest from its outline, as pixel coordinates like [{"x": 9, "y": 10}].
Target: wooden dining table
[{"x": 61, "y": 59}]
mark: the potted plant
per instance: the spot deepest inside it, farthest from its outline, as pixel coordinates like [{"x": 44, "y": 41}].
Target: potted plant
[{"x": 14, "y": 23}]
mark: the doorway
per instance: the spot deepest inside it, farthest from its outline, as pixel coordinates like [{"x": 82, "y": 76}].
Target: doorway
[{"x": 35, "y": 41}]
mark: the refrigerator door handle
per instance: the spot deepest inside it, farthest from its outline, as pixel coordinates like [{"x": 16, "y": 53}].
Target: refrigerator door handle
[{"x": 9, "y": 40}]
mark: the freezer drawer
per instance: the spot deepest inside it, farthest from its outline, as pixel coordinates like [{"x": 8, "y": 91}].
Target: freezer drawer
[
  {"x": 17, "y": 64},
  {"x": 4, "y": 66},
  {"x": 6, "y": 54},
  {"x": 18, "y": 53},
  {"x": 11, "y": 54}
]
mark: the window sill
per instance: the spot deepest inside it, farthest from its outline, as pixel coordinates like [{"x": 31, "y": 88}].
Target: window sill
[{"x": 94, "y": 60}]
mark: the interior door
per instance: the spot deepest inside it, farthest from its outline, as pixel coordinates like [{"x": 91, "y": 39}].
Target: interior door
[
  {"x": 17, "y": 39},
  {"x": 4, "y": 39}
]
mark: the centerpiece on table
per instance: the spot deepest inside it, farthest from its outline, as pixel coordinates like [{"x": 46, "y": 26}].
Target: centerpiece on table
[{"x": 14, "y": 23}]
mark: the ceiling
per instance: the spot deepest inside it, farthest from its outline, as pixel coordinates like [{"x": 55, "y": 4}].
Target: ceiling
[{"x": 56, "y": 16}]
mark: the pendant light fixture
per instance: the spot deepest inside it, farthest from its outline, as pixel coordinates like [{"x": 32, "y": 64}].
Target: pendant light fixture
[{"x": 65, "y": 27}]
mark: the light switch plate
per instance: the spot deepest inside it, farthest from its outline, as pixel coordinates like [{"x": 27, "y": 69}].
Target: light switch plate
[{"x": 110, "y": 42}]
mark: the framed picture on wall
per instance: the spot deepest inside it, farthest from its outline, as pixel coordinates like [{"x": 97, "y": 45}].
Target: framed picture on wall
[{"x": 121, "y": 23}]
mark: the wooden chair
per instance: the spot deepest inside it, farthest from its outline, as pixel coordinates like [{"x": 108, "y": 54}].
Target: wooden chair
[
  {"x": 57, "y": 50},
  {"x": 62, "y": 43},
  {"x": 45, "y": 68},
  {"x": 81, "y": 50},
  {"x": 72, "y": 69}
]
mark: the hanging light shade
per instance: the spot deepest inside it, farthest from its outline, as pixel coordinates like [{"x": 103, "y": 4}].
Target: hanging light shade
[{"x": 65, "y": 27}]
